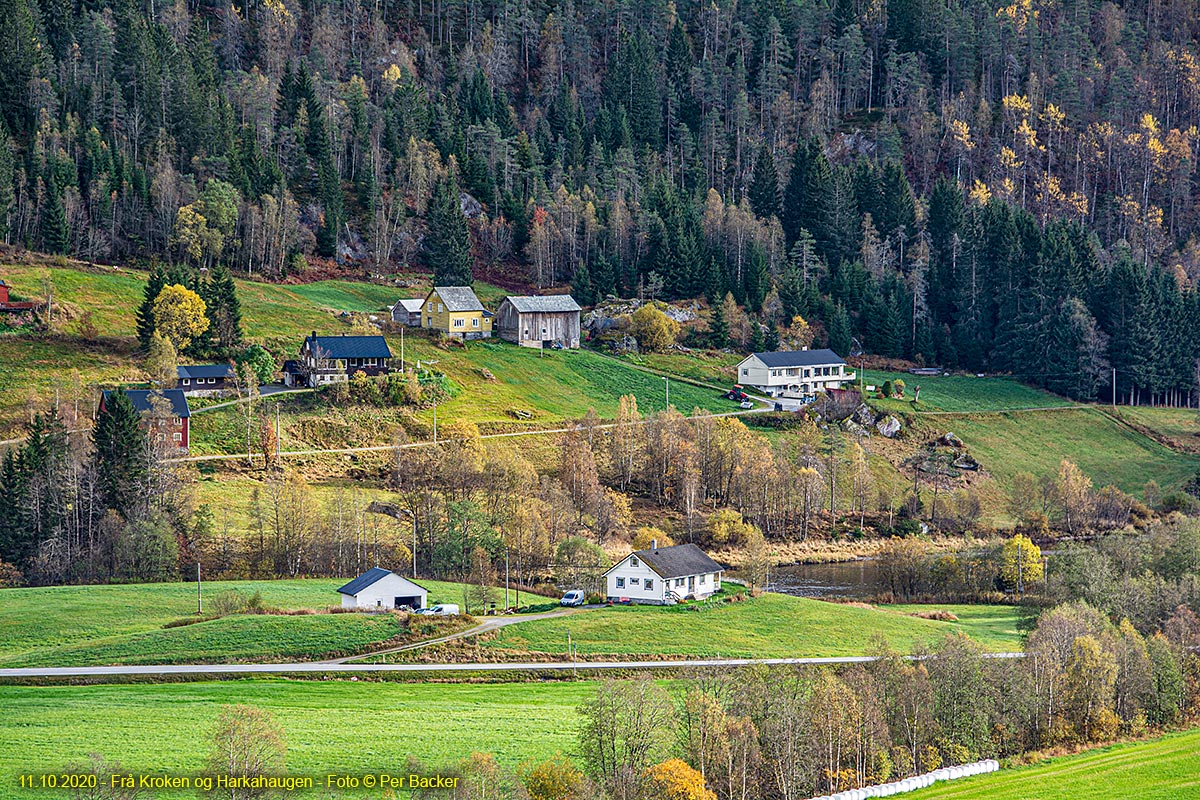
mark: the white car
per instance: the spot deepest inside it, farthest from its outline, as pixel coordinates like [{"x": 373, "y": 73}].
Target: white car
[
  {"x": 575, "y": 597},
  {"x": 440, "y": 610}
]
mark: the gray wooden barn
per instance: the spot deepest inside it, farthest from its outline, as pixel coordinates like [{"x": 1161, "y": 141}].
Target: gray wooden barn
[{"x": 539, "y": 321}]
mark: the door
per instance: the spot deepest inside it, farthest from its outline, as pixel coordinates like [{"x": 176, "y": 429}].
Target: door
[{"x": 691, "y": 584}]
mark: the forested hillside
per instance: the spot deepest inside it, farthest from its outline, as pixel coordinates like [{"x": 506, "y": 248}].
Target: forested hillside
[{"x": 981, "y": 186}]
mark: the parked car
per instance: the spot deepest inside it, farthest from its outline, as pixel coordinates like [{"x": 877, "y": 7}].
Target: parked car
[
  {"x": 747, "y": 404},
  {"x": 440, "y": 610},
  {"x": 575, "y": 597}
]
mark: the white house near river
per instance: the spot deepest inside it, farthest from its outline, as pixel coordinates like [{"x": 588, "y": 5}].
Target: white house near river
[
  {"x": 794, "y": 373},
  {"x": 663, "y": 575},
  {"x": 381, "y": 588}
]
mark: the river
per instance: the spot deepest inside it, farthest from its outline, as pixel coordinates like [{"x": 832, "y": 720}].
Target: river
[{"x": 846, "y": 579}]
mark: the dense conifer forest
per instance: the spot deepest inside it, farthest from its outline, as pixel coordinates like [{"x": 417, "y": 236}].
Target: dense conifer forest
[{"x": 1005, "y": 188}]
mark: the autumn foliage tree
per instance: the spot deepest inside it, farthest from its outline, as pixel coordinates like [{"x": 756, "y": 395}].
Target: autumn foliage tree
[{"x": 179, "y": 315}]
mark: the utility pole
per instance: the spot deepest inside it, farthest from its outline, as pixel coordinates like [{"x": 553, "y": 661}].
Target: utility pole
[
  {"x": 506, "y": 605},
  {"x": 435, "y": 421},
  {"x": 402, "y": 349},
  {"x": 1114, "y": 389},
  {"x": 667, "y": 381},
  {"x": 199, "y": 596},
  {"x": 277, "y": 431}
]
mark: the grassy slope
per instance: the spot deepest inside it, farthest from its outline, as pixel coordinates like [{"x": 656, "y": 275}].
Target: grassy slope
[
  {"x": 963, "y": 393},
  {"x": 1000, "y": 624},
  {"x": 156, "y": 728},
  {"x": 1161, "y": 769},
  {"x": 771, "y": 626},
  {"x": 74, "y": 625},
  {"x": 1037, "y": 442}
]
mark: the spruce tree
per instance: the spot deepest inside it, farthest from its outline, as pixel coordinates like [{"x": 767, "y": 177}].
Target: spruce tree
[
  {"x": 764, "y": 195},
  {"x": 145, "y": 313},
  {"x": 718, "y": 327},
  {"x": 224, "y": 309},
  {"x": 6, "y": 180},
  {"x": 56, "y": 235},
  {"x": 120, "y": 454},
  {"x": 447, "y": 244},
  {"x": 839, "y": 330}
]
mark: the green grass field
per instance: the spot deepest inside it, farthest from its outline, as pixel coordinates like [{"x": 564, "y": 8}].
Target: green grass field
[
  {"x": 963, "y": 393},
  {"x": 770, "y": 626},
  {"x": 123, "y": 624},
  {"x": 1160, "y": 769},
  {"x": 339, "y": 726},
  {"x": 1037, "y": 442},
  {"x": 1000, "y": 624}
]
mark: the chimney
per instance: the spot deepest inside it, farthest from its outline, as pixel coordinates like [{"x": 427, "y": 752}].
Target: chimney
[{"x": 654, "y": 544}]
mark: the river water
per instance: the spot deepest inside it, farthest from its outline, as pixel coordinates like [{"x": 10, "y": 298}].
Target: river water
[{"x": 845, "y": 579}]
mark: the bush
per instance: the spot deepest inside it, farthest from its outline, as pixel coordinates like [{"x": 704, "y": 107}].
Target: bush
[
  {"x": 653, "y": 329},
  {"x": 886, "y": 389}
]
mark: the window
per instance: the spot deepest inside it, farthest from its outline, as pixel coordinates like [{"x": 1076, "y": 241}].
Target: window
[
  {"x": 441, "y": 309},
  {"x": 633, "y": 562},
  {"x": 620, "y": 583},
  {"x": 703, "y": 579},
  {"x": 649, "y": 584},
  {"x": 475, "y": 322},
  {"x": 634, "y": 581},
  {"x": 177, "y": 436},
  {"x": 458, "y": 323},
  {"x": 745, "y": 370},
  {"x": 679, "y": 581}
]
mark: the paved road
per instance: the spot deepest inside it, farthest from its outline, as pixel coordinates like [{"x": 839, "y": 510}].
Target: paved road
[
  {"x": 516, "y": 666},
  {"x": 490, "y": 624}
]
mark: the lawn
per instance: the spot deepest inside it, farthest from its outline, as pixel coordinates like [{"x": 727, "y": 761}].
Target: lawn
[
  {"x": 963, "y": 393},
  {"x": 1037, "y": 442},
  {"x": 1160, "y": 769},
  {"x": 80, "y": 625},
  {"x": 982, "y": 623},
  {"x": 770, "y": 626},
  {"x": 166, "y": 728}
]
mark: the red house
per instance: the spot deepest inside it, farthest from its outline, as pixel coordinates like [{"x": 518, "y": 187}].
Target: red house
[{"x": 164, "y": 412}]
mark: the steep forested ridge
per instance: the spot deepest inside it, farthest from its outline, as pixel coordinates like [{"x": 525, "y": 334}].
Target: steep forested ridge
[{"x": 984, "y": 186}]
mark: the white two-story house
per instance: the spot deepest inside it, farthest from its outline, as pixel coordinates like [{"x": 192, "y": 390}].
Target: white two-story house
[
  {"x": 794, "y": 373},
  {"x": 663, "y": 575}
]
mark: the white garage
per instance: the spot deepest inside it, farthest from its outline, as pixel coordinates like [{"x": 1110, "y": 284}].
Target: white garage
[{"x": 381, "y": 588}]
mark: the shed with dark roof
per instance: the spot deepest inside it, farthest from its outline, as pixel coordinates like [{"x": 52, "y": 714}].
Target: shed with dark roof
[
  {"x": 380, "y": 588},
  {"x": 539, "y": 320}
]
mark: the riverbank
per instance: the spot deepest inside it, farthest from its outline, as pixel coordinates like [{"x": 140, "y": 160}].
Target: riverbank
[{"x": 823, "y": 551}]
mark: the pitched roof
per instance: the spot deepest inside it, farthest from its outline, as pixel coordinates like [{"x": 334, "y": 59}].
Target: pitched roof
[
  {"x": 458, "y": 298},
  {"x": 373, "y": 575},
  {"x": 350, "y": 346},
  {"x": 144, "y": 400},
  {"x": 204, "y": 371},
  {"x": 678, "y": 561},
  {"x": 410, "y": 304},
  {"x": 799, "y": 358},
  {"x": 370, "y": 577},
  {"x": 548, "y": 303}
]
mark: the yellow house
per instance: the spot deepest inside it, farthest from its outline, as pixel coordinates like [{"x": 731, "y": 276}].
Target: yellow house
[{"x": 457, "y": 313}]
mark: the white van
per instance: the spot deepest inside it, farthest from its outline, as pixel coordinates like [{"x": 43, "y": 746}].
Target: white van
[
  {"x": 441, "y": 610},
  {"x": 575, "y": 597}
]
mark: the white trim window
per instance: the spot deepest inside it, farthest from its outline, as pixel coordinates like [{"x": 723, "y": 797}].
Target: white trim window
[
  {"x": 620, "y": 583},
  {"x": 459, "y": 323},
  {"x": 474, "y": 322},
  {"x": 649, "y": 584}
]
